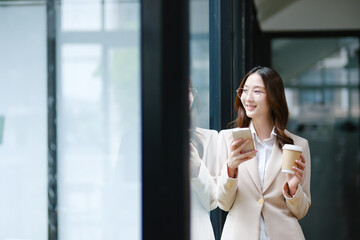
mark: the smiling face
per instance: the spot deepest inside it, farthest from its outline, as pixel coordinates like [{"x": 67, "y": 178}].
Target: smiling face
[{"x": 255, "y": 100}]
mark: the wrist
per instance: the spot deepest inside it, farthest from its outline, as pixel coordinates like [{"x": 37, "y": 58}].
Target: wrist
[
  {"x": 232, "y": 172},
  {"x": 292, "y": 190}
]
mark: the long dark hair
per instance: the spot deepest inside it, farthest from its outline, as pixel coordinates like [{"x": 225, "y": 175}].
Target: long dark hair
[{"x": 276, "y": 98}]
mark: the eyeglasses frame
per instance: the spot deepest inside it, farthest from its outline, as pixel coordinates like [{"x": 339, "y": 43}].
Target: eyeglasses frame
[{"x": 239, "y": 92}]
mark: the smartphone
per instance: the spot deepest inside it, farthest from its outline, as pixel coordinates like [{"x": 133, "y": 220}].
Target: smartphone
[{"x": 244, "y": 133}]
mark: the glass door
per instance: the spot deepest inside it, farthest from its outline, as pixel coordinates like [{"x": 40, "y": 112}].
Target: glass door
[{"x": 322, "y": 82}]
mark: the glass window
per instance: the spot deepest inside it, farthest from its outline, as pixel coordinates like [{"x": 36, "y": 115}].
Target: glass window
[
  {"x": 98, "y": 90},
  {"x": 321, "y": 77},
  {"x": 81, "y": 15},
  {"x": 23, "y": 149},
  {"x": 199, "y": 58}
]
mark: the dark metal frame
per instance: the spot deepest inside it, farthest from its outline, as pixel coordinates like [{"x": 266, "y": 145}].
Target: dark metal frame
[
  {"x": 312, "y": 34},
  {"x": 221, "y": 57},
  {"x": 165, "y": 119},
  {"x": 51, "y": 120},
  {"x": 221, "y": 79},
  {"x": 214, "y": 64}
]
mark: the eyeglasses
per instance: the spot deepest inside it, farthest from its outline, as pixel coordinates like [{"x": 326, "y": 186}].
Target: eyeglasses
[{"x": 245, "y": 92}]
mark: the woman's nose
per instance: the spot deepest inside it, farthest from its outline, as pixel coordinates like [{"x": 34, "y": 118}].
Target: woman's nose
[{"x": 249, "y": 96}]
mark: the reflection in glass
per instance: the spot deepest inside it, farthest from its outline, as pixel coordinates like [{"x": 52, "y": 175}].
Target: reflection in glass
[
  {"x": 322, "y": 88},
  {"x": 203, "y": 146},
  {"x": 99, "y": 185},
  {"x": 203, "y": 142}
]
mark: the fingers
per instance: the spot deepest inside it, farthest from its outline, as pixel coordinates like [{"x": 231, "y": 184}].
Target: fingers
[
  {"x": 235, "y": 162},
  {"x": 236, "y": 153},
  {"x": 302, "y": 158},
  {"x": 243, "y": 145},
  {"x": 236, "y": 157},
  {"x": 236, "y": 143},
  {"x": 295, "y": 179},
  {"x": 301, "y": 162},
  {"x": 298, "y": 172},
  {"x": 244, "y": 156},
  {"x": 239, "y": 144},
  {"x": 250, "y": 154},
  {"x": 235, "y": 147}
]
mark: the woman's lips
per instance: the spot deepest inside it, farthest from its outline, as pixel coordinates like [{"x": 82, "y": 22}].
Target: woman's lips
[{"x": 250, "y": 107}]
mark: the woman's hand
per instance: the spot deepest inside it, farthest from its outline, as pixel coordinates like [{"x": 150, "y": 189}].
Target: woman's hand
[
  {"x": 293, "y": 180},
  {"x": 237, "y": 156}
]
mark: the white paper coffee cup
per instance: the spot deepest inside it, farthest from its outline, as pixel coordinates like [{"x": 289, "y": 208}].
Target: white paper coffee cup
[{"x": 290, "y": 154}]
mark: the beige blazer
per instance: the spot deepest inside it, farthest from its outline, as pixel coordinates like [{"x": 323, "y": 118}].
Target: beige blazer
[{"x": 246, "y": 200}]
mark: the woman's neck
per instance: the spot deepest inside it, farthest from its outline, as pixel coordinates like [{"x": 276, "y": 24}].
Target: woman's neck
[{"x": 263, "y": 128}]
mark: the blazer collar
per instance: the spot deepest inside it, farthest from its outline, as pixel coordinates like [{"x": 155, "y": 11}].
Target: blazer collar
[
  {"x": 252, "y": 168},
  {"x": 273, "y": 169},
  {"x": 256, "y": 138}
]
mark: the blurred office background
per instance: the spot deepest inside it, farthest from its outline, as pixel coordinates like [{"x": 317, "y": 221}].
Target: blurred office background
[{"x": 82, "y": 59}]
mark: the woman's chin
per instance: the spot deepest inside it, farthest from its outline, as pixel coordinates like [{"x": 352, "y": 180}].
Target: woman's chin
[{"x": 250, "y": 114}]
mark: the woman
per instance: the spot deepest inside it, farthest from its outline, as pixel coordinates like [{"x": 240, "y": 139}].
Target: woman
[
  {"x": 203, "y": 145},
  {"x": 263, "y": 202}
]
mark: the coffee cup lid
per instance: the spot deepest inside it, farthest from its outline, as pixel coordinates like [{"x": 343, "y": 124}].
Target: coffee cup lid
[{"x": 292, "y": 147}]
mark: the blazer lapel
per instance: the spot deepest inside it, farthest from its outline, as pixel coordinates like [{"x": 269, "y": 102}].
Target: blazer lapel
[
  {"x": 274, "y": 166},
  {"x": 252, "y": 167}
]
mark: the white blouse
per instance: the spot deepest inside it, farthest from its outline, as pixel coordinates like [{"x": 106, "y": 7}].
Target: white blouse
[{"x": 263, "y": 155}]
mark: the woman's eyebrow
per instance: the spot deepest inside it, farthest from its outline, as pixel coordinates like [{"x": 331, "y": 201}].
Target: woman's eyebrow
[{"x": 254, "y": 87}]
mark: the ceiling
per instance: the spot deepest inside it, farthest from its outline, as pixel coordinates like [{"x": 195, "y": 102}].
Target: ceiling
[
  {"x": 308, "y": 15},
  {"x": 291, "y": 58}
]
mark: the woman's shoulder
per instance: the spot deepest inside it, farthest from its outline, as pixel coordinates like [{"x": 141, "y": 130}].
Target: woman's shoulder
[
  {"x": 226, "y": 132},
  {"x": 206, "y": 134},
  {"x": 206, "y": 131},
  {"x": 298, "y": 140}
]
